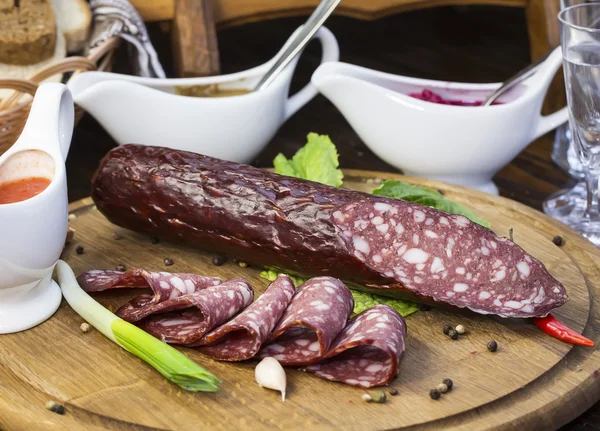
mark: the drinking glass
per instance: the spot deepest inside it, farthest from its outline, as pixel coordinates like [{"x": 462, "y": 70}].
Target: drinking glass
[
  {"x": 562, "y": 203},
  {"x": 580, "y": 40}
]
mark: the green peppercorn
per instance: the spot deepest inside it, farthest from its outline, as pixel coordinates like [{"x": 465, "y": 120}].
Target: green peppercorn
[
  {"x": 379, "y": 397},
  {"x": 453, "y": 334}
]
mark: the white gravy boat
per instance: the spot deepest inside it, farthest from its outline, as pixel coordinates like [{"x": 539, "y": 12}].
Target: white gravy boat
[
  {"x": 33, "y": 231},
  {"x": 456, "y": 144},
  {"x": 147, "y": 110}
]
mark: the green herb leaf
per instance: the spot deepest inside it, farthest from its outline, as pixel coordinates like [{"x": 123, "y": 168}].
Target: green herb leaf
[
  {"x": 315, "y": 161},
  {"x": 424, "y": 196},
  {"x": 364, "y": 301}
]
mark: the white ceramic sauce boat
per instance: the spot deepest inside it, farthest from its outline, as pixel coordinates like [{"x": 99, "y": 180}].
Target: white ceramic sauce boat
[
  {"x": 146, "y": 110},
  {"x": 33, "y": 231},
  {"x": 455, "y": 144}
]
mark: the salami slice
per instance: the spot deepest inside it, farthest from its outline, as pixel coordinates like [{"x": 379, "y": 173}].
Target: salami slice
[
  {"x": 165, "y": 285},
  {"x": 367, "y": 352},
  {"x": 318, "y": 312},
  {"x": 242, "y": 337},
  {"x": 185, "y": 319},
  {"x": 390, "y": 246}
]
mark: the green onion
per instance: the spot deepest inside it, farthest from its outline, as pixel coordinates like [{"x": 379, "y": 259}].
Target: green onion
[{"x": 171, "y": 363}]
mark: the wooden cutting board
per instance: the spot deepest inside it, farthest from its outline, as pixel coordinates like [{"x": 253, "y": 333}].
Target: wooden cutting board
[{"x": 532, "y": 382}]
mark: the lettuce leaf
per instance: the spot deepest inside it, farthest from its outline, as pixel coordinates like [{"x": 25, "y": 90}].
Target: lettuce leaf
[
  {"x": 315, "y": 161},
  {"x": 364, "y": 301},
  {"x": 424, "y": 196}
]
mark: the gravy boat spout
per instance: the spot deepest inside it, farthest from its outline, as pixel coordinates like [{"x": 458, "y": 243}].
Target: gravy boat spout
[
  {"x": 34, "y": 228},
  {"x": 465, "y": 145},
  {"x": 148, "y": 110}
]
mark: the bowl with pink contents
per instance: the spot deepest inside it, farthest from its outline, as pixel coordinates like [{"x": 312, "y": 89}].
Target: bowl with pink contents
[{"x": 438, "y": 129}]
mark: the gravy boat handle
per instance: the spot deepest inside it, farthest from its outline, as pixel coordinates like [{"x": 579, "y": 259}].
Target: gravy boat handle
[
  {"x": 550, "y": 122},
  {"x": 49, "y": 127},
  {"x": 331, "y": 52}
]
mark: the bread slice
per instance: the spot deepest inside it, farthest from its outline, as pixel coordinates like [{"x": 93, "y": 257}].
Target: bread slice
[
  {"x": 11, "y": 71},
  {"x": 28, "y": 31},
  {"x": 74, "y": 20}
]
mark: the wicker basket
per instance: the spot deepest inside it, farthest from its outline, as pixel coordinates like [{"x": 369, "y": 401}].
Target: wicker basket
[{"x": 14, "y": 110}]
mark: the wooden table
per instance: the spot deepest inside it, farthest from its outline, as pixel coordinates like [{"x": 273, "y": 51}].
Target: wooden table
[{"x": 474, "y": 44}]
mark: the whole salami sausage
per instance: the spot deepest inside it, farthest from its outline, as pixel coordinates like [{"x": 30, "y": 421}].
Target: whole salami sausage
[
  {"x": 185, "y": 319},
  {"x": 317, "y": 314},
  {"x": 165, "y": 285},
  {"x": 367, "y": 352},
  {"x": 406, "y": 249},
  {"x": 242, "y": 337}
]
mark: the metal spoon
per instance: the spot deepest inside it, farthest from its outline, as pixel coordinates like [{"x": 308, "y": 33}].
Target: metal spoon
[
  {"x": 316, "y": 20},
  {"x": 520, "y": 76}
]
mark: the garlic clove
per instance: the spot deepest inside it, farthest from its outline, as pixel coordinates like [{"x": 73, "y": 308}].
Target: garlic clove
[{"x": 270, "y": 374}]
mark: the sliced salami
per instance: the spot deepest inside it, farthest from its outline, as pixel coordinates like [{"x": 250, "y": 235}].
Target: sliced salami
[
  {"x": 165, "y": 285},
  {"x": 317, "y": 314},
  {"x": 367, "y": 352},
  {"x": 186, "y": 319},
  {"x": 242, "y": 337}
]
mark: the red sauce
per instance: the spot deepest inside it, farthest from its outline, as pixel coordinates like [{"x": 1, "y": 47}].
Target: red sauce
[
  {"x": 21, "y": 190},
  {"x": 430, "y": 96}
]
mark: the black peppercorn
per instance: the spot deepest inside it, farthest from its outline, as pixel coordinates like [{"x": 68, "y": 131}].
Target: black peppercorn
[
  {"x": 120, "y": 267},
  {"x": 168, "y": 261},
  {"x": 492, "y": 346},
  {"x": 453, "y": 334},
  {"x": 448, "y": 383},
  {"x": 218, "y": 260},
  {"x": 393, "y": 392},
  {"x": 558, "y": 240},
  {"x": 435, "y": 394},
  {"x": 79, "y": 249},
  {"x": 447, "y": 329}
]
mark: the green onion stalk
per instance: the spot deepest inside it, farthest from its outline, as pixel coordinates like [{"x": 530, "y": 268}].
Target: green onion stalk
[{"x": 171, "y": 363}]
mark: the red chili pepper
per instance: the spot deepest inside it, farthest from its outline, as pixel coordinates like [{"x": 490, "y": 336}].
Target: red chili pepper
[{"x": 553, "y": 327}]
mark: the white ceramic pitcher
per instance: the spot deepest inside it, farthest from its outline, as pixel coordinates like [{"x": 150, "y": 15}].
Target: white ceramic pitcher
[
  {"x": 33, "y": 231},
  {"x": 456, "y": 144},
  {"x": 146, "y": 110}
]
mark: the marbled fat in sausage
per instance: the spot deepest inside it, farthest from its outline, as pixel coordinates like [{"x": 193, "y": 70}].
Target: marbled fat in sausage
[
  {"x": 185, "y": 319},
  {"x": 367, "y": 352},
  {"x": 242, "y": 337},
  {"x": 317, "y": 314},
  {"x": 391, "y": 246},
  {"x": 165, "y": 285}
]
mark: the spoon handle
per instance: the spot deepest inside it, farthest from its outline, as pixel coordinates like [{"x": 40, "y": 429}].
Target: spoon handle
[
  {"x": 314, "y": 22},
  {"x": 520, "y": 76}
]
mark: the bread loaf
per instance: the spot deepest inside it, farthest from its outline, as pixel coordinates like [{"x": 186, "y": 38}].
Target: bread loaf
[{"x": 27, "y": 31}]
